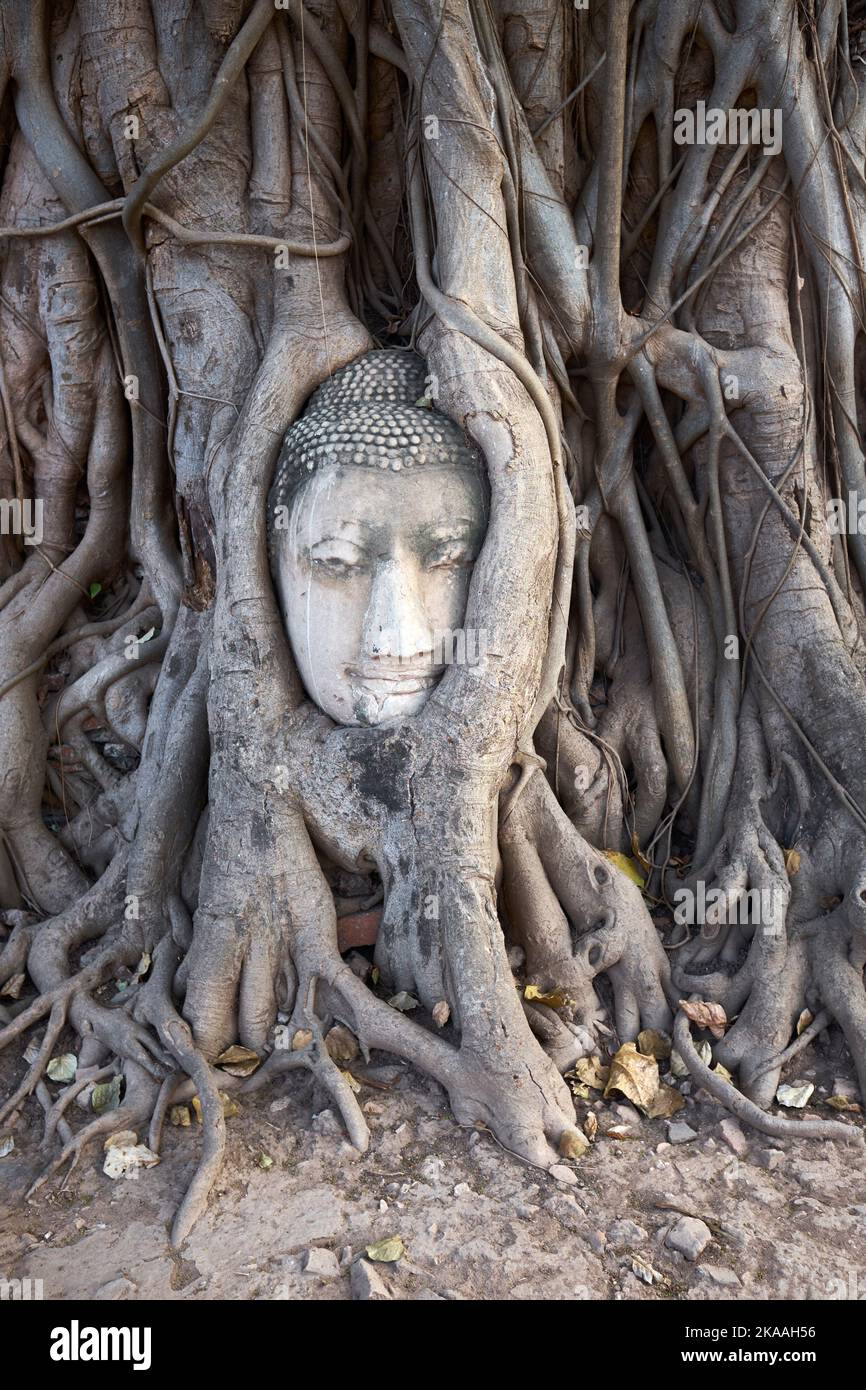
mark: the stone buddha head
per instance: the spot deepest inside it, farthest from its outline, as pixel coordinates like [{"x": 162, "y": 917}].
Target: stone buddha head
[{"x": 377, "y": 512}]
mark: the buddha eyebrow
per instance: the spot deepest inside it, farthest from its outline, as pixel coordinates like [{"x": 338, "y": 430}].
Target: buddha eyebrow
[{"x": 447, "y": 528}]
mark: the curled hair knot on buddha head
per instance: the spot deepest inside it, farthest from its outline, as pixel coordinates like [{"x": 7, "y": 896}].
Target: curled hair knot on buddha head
[{"x": 367, "y": 415}]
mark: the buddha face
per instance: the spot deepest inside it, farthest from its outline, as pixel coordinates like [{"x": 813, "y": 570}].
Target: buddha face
[{"x": 371, "y": 571}]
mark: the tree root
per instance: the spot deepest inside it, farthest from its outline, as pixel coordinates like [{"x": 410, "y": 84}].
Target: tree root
[{"x": 776, "y": 1126}]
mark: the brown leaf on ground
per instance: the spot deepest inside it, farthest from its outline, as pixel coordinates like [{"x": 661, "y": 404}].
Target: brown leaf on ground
[
  {"x": 705, "y": 1014},
  {"x": 634, "y": 1075},
  {"x": 238, "y": 1061}
]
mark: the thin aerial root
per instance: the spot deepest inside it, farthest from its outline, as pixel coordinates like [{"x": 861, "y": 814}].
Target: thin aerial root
[
  {"x": 76, "y": 984},
  {"x": 36, "y": 1070},
  {"x": 43, "y": 1095},
  {"x": 124, "y": 1118},
  {"x": 818, "y": 1024},
  {"x": 316, "y": 1058},
  {"x": 746, "y": 1110},
  {"x": 164, "y": 1099},
  {"x": 54, "y": 1117}
]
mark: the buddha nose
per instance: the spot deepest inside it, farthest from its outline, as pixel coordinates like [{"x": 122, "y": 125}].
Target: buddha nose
[{"x": 396, "y": 627}]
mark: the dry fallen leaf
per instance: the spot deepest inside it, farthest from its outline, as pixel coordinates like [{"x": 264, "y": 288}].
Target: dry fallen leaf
[
  {"x": 123, "y": 1138},
  {"x": 386, "y": 1251},
  {"x": 302, "y": 1039},
  {"x": 843, "y": 1103},
  {"x": 441, "y": 1013},
  {"x": 792, "y": 862},
  {"x": 106, "y": 1096},
  {"x": 179, "y": 1116},
  {"x": 265, "y": 1161},
  {"x": 654, "y": 1044},
  {"x": 238, "y": 1061},
  {"x": 634, "y": 1075},
  {"x": 230, "y": 1107},
  {"x": 124, "y": 1160},
  {"x": 351, "y": 1081},
  {"x": 403, "y": 1001},
  {"x": 795, "y": 1097},
  {"x": 13, "y": 987},
  {"x": 62, "y": 1068},
  {"x": 341, "y": 1044},
  {"x": 804, "y": 1020},
  {"x": 705, "y": 1014},
  {"x": 590, "y": 1126},
  {"x": 554, "y": 998},
  {"x": 590, "y": 1071}
]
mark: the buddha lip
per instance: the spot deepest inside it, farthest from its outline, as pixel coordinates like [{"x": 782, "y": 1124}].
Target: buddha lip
[{"x": 396, "y": 682}]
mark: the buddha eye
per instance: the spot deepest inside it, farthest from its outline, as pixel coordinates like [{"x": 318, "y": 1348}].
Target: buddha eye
[
  {"x": 450, "y": 554},
  {"x": 337, "y": 559}
]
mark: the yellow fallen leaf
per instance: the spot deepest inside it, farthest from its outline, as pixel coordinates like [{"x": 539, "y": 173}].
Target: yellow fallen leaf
[
  {"x": 386, "y": 1251},
  {"x": 723, "y": 1072},
  {"x": 230, "y": 1107},
  {"x": 590, "y": 1126},
  {"x": 238, "y": 1061},
  {"x": 792, "y": 862},
  {"x": 590, "y": 1071},
  {"x": 843, "y": 1103},
  {"x": 554, "y": 998},
  {"x": 121, "y": 1139},
  {"x": 179, "y": 1116},
  {"x": 654, "y": 1044},
  {"x": 634, "y": 1075},
  {"x": 628, "y": 866},
  {"x": 352, "y": 1081},
  {"x": 804, "y": 1020},
  {"x": 302, "y": 1039}
]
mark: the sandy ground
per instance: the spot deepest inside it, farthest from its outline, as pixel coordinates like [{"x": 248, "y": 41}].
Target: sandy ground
[{"x": 778, "y": 1220}]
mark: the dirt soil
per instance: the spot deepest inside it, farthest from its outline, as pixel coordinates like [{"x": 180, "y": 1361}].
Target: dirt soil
[{"x": 780, "y": 1220}]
